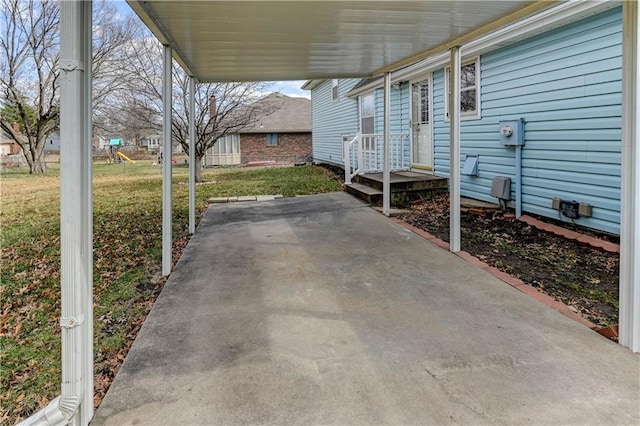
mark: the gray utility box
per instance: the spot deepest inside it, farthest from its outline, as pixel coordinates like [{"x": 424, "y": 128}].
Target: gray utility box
[
  {"x": 501, "y": 187},
  {"x": 512, "y": 132}
]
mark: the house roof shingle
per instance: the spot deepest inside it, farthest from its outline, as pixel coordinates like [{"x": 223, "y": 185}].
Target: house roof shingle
[{"x": 293, "y": 115}]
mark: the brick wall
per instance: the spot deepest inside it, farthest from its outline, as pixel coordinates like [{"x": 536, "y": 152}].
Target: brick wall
[{"x": 291, "y": 147}]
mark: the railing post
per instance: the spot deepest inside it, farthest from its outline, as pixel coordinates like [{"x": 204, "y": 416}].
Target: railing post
[
  {"x": 347, "y": 160},
  {"x": 359, "y": 149},
  {"x": 401, "y": 147}
]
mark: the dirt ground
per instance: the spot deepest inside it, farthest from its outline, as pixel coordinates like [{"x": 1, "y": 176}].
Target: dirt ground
[{"x": 582, "y": 277}]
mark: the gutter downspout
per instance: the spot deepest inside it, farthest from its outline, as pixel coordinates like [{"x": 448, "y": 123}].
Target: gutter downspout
[
  {"x": 58, "y": 412},
  {"x": 518, "y": 181},
  {"x": 76, "y": 254},
  {"x": 75, "y": 405}
]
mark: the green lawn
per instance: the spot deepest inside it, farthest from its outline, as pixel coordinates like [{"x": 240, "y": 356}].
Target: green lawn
[{"x": 127, "y": 256}]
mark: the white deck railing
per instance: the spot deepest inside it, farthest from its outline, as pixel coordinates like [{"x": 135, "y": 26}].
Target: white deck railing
[{"x": 364, "y": 154}]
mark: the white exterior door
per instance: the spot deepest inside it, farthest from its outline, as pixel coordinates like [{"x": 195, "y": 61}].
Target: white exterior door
[{"x": 421, "y": 122}]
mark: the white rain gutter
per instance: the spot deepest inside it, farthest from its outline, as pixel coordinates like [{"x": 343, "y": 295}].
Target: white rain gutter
[
  {"x": 167, "y": 218},
  {"x": 75, "y": 405},
  {"x": 454, "y": 151},
  {"x": 629, "y": 335}
]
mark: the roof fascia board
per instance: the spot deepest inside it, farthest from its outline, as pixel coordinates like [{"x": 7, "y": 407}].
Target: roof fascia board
[
  {"x": 546, "y": 20},
  {"x": 311, "y": 84},
  {"x": 430, "y": 64}
]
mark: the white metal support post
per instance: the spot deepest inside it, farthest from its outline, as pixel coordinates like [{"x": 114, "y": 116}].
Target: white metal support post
[
  {"x": 192, "y": 155},
  {"x": 167, "y": 218},
  {"x": 630, "y": 181},
  {"x": 386, "y": 168},
  {"x": 76, "y": 212},
  {"x": 86, "y": 414},
  {"x": 454, "y": 146}
]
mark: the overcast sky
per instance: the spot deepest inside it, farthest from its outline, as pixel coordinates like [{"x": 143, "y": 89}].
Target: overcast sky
[{"x": 290, "y": 88}]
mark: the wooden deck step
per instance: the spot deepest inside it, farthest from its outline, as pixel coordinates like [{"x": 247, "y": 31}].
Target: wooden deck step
[
  {"x": 404, "y": 181},
  {"x": 364, "y": 192},
  {"x": 405, "y": 187}
]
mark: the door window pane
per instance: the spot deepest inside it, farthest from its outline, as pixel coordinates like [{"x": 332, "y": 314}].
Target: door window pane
[
  {"x": 367, "y": 113},
  {"x": 368, "y": 125},
  {"x": 424, "y": 103}
]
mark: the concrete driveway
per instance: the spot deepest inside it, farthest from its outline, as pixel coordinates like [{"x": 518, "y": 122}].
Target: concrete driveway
[{"x": 319, "y": 310}]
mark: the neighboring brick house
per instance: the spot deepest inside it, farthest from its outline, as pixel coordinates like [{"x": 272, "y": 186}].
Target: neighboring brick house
[
  {"x": 283, "y": 136},
  {"x": 7, "y": 145},
  {"x": 11, "y": 154}
]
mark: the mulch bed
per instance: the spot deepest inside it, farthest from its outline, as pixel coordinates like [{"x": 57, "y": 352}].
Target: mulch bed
[{"x": 580, "y": 276}]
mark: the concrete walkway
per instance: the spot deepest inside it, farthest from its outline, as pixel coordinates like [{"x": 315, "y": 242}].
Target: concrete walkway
[{"x": 318, "y": 310}]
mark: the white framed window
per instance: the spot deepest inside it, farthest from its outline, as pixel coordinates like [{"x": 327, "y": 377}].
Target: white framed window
[
  {"x": 368, "y": 114},
  {"x": 334, "y": 89},
  {"x": 469, "y": 90},
  {"x": 229, "y": 144},
  {"x": 272, "y": 139}
]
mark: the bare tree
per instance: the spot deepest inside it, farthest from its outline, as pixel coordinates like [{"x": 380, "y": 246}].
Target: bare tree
[
  {"x": 136, "y": 111},
  {"x": 127, "y": 118},
  {"x": 220, "y": 108},
  {"x": 29, "y": 74},
  {"x": 29, "y": 77}
]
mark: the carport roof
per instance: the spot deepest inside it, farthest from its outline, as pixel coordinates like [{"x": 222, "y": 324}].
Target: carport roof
[{"x": 286, "y": 40}]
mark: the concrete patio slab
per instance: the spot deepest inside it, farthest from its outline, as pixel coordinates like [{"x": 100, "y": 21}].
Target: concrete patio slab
[{"x": 318, "y": 310}]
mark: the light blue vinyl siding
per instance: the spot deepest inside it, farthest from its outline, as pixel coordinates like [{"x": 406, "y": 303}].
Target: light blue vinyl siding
[
  {"x": 566, "y": 84},
  {"x": 332, "y": 119},
  {"x": 399, "y": 115}
]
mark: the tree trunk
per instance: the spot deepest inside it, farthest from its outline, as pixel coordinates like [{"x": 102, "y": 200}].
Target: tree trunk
[
  {"x": 34, "y": 154},
  {"x": 32, "y": 149},
  {"x": 198, "y": 167},
  {"x": 37, "y": 166}
]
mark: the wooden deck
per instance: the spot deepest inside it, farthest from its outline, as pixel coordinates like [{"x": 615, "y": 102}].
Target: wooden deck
[{"x": 405, "y": 187}]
